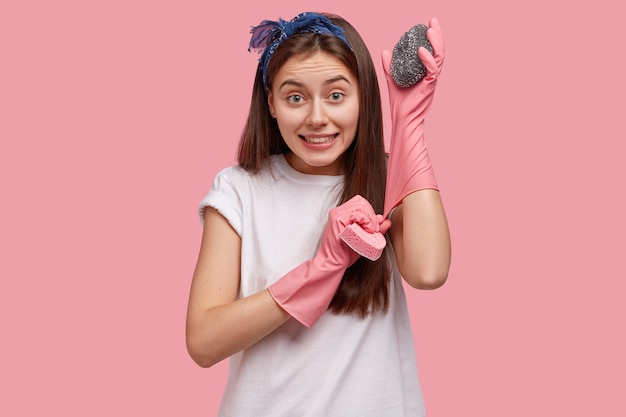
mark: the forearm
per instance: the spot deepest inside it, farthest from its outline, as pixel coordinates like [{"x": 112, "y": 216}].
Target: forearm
[
  {"x": 421, "y": 239},
  {"x": 221, "y": 331}
]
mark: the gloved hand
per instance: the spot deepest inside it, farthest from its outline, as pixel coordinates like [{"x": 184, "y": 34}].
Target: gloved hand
[
  {"x": 409, "y": 167},
  {"x": 306, "y": 291}
]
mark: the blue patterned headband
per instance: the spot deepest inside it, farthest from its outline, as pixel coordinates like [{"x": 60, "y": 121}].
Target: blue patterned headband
[{"x": 269, "y": 34}]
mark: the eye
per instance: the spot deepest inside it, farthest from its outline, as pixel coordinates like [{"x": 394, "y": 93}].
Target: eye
[
  {"x": 295, "y": 99},
  {"x": 336, "y": 96}
]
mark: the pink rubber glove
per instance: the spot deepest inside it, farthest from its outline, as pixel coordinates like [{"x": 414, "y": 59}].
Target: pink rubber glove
[
  {"x": 409, "y": 164},
  {"x": 306, "y": 291}
]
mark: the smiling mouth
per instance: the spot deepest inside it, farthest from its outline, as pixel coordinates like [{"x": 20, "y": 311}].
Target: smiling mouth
[{"x": 318, "y": 140}]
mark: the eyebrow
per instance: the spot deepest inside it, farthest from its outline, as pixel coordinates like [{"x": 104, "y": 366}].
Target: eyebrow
[{"x": 301, "y": 84}]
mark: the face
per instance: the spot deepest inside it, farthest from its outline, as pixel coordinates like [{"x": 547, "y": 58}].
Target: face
[{"x": 315, "y": 100}]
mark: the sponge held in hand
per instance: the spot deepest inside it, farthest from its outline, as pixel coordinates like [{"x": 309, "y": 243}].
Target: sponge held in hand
[{"x": 369, "y": 245}]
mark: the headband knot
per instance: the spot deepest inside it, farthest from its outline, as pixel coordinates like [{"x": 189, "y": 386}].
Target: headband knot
[{"x": 269, "y": 34}]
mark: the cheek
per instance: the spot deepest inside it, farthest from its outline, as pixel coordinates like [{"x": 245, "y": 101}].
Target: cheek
[
  {"x": 286, "y": 120},
  {"x": 286, "y": 125},
  {"x": 350, "y": 117}
]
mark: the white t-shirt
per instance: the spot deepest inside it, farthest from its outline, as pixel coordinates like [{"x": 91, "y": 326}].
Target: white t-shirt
[{"x": 343, "y": 366}]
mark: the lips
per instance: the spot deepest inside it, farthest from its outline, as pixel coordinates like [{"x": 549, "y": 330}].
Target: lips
[{"x": 318, "y": 139}]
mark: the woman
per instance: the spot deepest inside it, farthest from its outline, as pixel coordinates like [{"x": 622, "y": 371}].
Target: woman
[{"x": 311, "y": 328}]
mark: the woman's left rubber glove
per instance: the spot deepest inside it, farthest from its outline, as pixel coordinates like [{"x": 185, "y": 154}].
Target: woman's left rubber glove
[
  {"x": 409, "y": 167},
  {"x": 305, "y": 292}
]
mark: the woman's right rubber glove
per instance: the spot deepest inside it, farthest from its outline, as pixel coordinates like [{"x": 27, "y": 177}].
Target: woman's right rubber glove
[
  {"x": 305, "y": 292},
  {"x": 409, "y": 167}
]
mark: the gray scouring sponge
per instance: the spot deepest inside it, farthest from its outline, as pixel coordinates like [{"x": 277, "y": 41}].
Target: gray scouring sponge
[{"x": 406, "y": 67}]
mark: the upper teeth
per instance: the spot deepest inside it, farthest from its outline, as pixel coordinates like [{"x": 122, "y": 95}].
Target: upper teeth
[{"x": 319, "y": 140}]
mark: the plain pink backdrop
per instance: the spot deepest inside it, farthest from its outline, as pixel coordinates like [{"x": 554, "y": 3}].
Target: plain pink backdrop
[{"x": 116, "y": 115}]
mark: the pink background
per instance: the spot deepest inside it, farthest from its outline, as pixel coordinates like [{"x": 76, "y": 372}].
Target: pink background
[{"x": 115, "y": 116}]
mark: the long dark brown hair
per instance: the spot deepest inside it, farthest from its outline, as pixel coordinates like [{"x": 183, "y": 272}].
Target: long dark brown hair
[{"x": 364, "y": 288}]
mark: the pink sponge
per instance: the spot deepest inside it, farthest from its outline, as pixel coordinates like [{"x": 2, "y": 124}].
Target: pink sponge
[{"x": 366, "y": 244}]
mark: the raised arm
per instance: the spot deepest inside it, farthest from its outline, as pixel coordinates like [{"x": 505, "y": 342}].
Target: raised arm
[
  {"x": 421, "y": 239},
  {"x": 419, "y": 230}
]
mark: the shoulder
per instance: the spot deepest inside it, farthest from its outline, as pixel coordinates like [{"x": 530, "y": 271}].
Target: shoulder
[
  {"x": 233, "y": 172},
  {"x": 270, "y": 170}
]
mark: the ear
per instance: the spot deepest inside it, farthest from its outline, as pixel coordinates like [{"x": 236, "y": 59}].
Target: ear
[{"x": 270, "y": 101}]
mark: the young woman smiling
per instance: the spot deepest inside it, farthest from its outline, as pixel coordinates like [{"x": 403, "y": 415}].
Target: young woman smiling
[{"x": 312, "y": 328}]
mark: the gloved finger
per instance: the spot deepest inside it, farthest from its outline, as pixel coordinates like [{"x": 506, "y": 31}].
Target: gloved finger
[
  {"x": 432, "y": 69},
  {"x": 386, "y": 61},
  {"x": 385, "y": 58},
  {"x": 342, "y": 212},
  {"x": 428, "y": 60},
  {"x": 366, "y": 220},
  {"x": 361, "y": 211},
  {"x": 383, "y": 223},
  {"x": 359, "y": 203},
  {"x": 435, "y": 37},
  {"x": 356, "y": 210}
]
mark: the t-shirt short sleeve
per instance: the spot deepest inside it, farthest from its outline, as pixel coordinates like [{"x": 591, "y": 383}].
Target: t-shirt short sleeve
[{"x": 224, "y": 197}]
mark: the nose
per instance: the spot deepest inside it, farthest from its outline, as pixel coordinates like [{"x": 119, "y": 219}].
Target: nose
[{"x": 317, "y": 115}]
